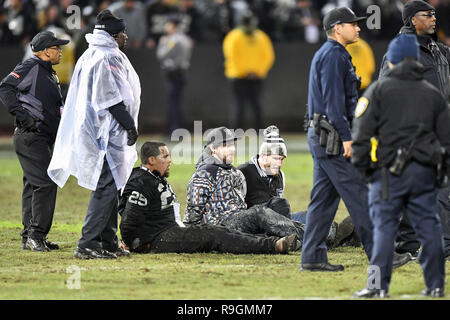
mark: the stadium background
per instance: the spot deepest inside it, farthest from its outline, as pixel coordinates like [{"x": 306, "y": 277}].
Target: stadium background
[{"x": 207, "y": 96}]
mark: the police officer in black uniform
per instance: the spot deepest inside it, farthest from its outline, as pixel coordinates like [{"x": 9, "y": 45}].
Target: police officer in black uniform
[
  {"x": 419, "y": 18},
  {"x": 409, "y": 118},
  {"x": 32, "y": 94}
]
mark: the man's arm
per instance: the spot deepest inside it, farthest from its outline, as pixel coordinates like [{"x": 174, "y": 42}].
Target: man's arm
[
  {"x": 332, "y": 78},
  {"x": 198, "y": 194},
  {"x": 123, "y": 117},
  {"x": 364, "y": 128},
  {"x": 135, "y": 203},
  {"x": 10, "y": 87},
  {"x": 443, "y": 130},
  {"x": 384, "y": 68}
]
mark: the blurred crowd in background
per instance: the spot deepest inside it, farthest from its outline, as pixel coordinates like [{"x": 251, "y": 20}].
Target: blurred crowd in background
[{"x": 203, "y": 20}]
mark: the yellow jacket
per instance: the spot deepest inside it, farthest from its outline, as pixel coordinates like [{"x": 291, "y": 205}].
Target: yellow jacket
[
  {"x": 363, "y": 60},
  {"x": 246, "y": 54}
]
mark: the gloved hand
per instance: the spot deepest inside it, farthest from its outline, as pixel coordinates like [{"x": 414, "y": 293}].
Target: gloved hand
[
  {"x": 25, "y": 122},
  {"x": 132, "y": 136}
]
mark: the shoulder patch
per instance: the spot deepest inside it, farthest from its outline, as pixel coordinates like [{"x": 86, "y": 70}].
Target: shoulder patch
[
  {"x": 361, "y": 107},
  {"x": 15, "y": 75}
]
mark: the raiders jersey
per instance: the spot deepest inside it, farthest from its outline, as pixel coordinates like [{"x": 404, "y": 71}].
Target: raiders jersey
[{"x": 147, "y": 207}]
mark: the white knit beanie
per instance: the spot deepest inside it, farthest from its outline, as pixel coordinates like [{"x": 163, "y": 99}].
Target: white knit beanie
[{"x": 273, "y": 143}]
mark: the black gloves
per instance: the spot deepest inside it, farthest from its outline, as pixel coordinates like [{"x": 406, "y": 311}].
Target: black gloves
[
  {"x": 132, "y": 136},
  {"x": 25, "y": 122},
  {"x": 123, "y": 117}
]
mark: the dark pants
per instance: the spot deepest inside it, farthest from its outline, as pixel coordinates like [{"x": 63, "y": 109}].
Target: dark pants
[
  {"x": 208, "y": 238},
  {"x": 100, "y": 225},
  {"x": 262, "y": 220},
  {"x": 414, "y": 191},
  {"x": 299, "y": 216},
  {"x": 334, "y": 178},
  {"x": 175, "y": 82},
  {"x": 246, "y": 91},
  {"x": 407, "y": 241},
  {"x": 39, "y": 191}
]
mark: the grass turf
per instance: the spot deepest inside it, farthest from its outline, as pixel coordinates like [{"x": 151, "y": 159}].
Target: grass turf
[{"x": 29, "y": 275}]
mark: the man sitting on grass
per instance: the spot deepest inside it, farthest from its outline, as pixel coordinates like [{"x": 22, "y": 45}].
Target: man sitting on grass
[
  {"x": 266, "y": 183},
  {"x": 151, "y": 221},
  {"x": 216, "y": 194}
]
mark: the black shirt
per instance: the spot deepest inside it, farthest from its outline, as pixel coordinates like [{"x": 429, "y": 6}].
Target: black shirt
[
  {"x": 32, "y": 89},
  {"x": 260, "y": 186},
  {"x": 392, "y": 109},
  {"x": 146, "y": 206}
]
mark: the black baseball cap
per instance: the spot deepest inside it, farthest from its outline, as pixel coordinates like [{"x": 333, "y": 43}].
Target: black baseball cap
[
  {"x": 412, "y": 7},
  {"x": 340, "y": 15},
  {"x": 46, "y": 39},
  {"x": 221, "y": 135}
]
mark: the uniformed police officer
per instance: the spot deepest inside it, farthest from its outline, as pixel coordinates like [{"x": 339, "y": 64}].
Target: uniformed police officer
[
  {"x": 32, "y": 95},
  {"x": 409, "y": 118},
  {"x": 333, "y": 92}
]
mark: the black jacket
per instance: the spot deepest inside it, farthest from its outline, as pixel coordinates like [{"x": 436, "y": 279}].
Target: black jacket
[
  {"x": 435, "y": 58},
  {"x": 392, "y": 109},
  {"x": 32, "y": 89},
  {"x": 260, "y": 186},
  {"x": 146, "y": 207}
]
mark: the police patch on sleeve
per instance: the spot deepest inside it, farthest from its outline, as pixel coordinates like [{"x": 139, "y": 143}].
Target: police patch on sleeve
[{"x": 361, "y": 107}]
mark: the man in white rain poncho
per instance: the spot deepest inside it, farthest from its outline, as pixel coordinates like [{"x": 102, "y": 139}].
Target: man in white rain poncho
[{"x": 96, "y": 137}]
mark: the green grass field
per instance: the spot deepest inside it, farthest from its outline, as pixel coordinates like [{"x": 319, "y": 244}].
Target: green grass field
[{"x": 29, "y": 275}]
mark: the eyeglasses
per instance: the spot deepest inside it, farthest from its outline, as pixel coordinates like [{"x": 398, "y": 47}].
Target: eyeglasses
[{"x": 429, "y": 15}]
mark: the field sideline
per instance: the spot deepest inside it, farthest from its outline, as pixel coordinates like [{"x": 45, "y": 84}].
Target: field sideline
[{"x": 26, "y": 275}]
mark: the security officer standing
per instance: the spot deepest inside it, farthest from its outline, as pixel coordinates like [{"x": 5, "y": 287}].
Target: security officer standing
[
  {"x": 333, "y": 92},
  {"x": 410, "y": 139},
  {"x": 33, "y": 96},
  {"x": 419, "y": 18}
]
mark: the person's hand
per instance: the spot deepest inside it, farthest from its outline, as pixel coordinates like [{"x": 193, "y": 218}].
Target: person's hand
[
  {"x": 124, "y": 246},
  {"x": 132, "y": 136},
  {"x": 347, "y": 148},
  {"x": 26, "y": 122}
]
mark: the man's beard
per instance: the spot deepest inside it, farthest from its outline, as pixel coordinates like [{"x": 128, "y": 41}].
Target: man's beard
[{"x": 271, "y": 171}]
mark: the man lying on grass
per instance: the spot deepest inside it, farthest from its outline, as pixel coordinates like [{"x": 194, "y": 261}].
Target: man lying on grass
[{"x": 151, "y": 221}]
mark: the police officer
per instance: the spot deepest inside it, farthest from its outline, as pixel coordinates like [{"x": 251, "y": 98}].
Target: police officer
[
  {"x": 419, "y": 18},
  {"x": 333, "y": 92},
  {"x": 410, "y": 137},
  {"x": 32, "y": 95}
]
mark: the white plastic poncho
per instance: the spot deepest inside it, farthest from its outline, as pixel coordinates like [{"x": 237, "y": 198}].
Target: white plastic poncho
[{"x": 103, "y": 77}]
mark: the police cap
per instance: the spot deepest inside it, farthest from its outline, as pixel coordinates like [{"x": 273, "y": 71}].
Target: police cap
[
  {"x": 46, "y": 39},
  {"x": 340, "y": 15}
]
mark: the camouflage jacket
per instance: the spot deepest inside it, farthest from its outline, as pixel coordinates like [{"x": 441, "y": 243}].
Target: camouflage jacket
[{"x": 215, "y": 191}]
